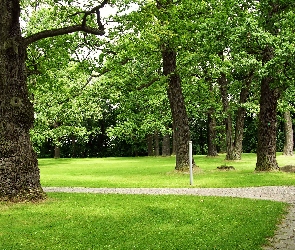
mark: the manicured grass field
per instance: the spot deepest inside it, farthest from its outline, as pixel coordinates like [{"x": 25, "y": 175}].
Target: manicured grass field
[
  {"x": 84, "y": 221},
  {"x": 159, "y": 172},
  {"x": 95, "y": 221}
]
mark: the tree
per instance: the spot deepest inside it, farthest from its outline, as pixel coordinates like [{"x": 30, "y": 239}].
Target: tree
[
  {"x": 274, "y": 20},
  {"x": 19, "y": 172}
]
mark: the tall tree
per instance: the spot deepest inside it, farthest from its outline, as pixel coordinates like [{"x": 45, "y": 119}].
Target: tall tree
[
  {"x": 19, "y": 172},
  {"x": 273, "y": 18}
]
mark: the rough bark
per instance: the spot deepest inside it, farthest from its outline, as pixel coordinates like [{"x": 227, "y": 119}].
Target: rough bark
[
  {"x": 269, "y": 95},
  {"x": 166, "y": 145},
  {"x": 179, "y": 114},
  {"x": 19, "y": 172},
  {"x": 289, "y": 142},
  {"x": 267, "y": 127}
]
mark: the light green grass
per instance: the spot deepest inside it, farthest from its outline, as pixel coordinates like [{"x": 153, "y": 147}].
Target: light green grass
[
  {"x": 84, "y": 221},
  {"x": 159, "y": 172}
]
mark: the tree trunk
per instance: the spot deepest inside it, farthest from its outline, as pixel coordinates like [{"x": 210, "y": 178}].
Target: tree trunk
[
  {"x": 211, "y": 133},
  {"x": 234, "y": 143},
  {"x": 173, "y": 143},
  {"x": 157, "y": 144},
  {"x": 56, "y": 152},
  {"x": 240, "y": 119},
  {"x": 267, "y": 127},
  {"x": 289, "y": 143},
  {"x": 166, "y": 145},
  {"x": 150, "y": 145},
  {"x": 19, "y": 172},
  {"x": 222, "y": 81},
  {"x": 178, "y": 110}
]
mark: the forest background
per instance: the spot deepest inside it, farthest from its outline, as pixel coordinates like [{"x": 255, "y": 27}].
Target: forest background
[{"x": 164, "y": 70}]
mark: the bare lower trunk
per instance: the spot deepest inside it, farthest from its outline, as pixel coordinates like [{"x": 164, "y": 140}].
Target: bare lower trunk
[
  {"x": 19, "y": 172},
  {"x": 178, "y": 110},
  {"x": 289, "y": 143},
  {"x": 150, "y": 145},
  {"x": 267, "y": 127},
  {"x": 166, "y": 145},
  {"x": 157, "y": 144},
  {"x": 228, "y": 119},
  {"x": 56, "y": 152},
  {"x": 211, "y": 131},
  {"x": 173, "y": 144}
]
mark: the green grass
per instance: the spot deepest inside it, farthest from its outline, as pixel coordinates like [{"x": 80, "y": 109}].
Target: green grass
[
  {"x": 159, "y": 172},
  {"x": 84, "y": 221},
  {"x": 96, "y": 221}
]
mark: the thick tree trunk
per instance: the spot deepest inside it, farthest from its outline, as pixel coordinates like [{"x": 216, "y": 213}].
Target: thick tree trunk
[
  {"x": 289, "y": 143},
  {"x": 157, "y": 144},
  {"x": 211, "y": 133},
  {"x": 166, "y": 145},
  {"x": 19, "y": 172},
  {"x": 179, "y": 115},
  {"x": 267, "y": 127}
]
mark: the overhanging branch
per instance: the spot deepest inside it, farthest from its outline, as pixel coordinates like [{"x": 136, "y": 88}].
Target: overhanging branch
[
  {"x": 74, "y": 28},
  {"x": 61, "y": 31}
]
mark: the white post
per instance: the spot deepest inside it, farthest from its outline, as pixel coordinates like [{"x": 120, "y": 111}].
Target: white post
[{"x": 190, "y": 149}]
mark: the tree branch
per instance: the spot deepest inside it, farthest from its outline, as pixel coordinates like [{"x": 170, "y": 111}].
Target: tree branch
[
  {"x": 74, "y": 28},
  {"x": 61, "y": 31},
  {"x": 146, "y": 85}
]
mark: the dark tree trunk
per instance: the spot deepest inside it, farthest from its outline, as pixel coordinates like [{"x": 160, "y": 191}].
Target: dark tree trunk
[
  {"x": 56, "y": 152},
  {"x": 222, "y": 81},
  {"x": 157, "y": 144},
  {"x": 56, "y": 146},
  {"x": 236, "y": 153},
  {"x": 150, "y": 145},
  {"x": 269, "y": 95},
  {"x": 178, "y": 110},
  {"x": 19, "y": 172},
  {"x": 173, "y": 144},
  {"x": 211, "y": 133},
  {"x": 237, "y": 149},
  {"x": 234, "y": 143},
  {"x": 289, "y": 143},
  {"x": 166, "y": 145},
  {"x": 73, "y": 153},
  {"x": 267, "y": 127}
]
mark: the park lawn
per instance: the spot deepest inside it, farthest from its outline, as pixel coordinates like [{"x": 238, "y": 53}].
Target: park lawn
[
  {"x": 159, "y": 172},
  {"x": 97, "y": 221}
]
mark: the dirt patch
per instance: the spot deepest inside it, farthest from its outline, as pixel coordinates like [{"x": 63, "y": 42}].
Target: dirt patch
[
  {"x": 226, "y": 168},
  {"x": 288, "y": 168}
]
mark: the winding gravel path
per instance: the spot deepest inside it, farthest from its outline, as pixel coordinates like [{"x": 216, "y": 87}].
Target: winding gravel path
[{"x": 284, "y": 238}]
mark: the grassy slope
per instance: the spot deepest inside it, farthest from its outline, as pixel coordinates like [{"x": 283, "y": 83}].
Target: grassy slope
[
  {"x": 88, "y": 221},
  {"x": 84, "y": 221},
  {"x": 158, "y": 172}
]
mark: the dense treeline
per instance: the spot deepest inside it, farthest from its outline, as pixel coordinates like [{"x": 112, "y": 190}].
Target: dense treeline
[{"x": 102, "y": 146}]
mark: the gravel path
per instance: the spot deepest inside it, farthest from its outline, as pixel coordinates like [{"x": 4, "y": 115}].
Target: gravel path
[{"x": 284, "y": 238}]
